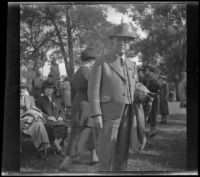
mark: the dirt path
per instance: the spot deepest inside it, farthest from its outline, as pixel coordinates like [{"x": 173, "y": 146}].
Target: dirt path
[{"x": 165, "y": 152}]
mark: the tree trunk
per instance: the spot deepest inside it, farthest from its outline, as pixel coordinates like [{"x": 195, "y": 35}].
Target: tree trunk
[
  {"x": 62, "y": 47},
  {"x": 70, "y": 44}
]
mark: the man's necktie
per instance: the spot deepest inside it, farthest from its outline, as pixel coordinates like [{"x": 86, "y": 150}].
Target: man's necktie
[{"x": 122, "y": 61}]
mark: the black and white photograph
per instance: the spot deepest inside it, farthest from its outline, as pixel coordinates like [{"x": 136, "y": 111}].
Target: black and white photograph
[{"x": 102, "y": 88}]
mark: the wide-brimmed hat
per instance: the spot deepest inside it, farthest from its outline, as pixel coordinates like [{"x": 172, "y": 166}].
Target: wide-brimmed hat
[
  {"x": 48, "y": 84},
  {"x": 124, "y": 30},
  {"x": 88, "y": 54},
  {"x": 23, "y": 83}
]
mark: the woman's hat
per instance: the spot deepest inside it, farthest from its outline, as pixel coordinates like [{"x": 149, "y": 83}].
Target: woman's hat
[
  {"x": 88, "y": 54},
  {"x": 48, "y": 84},
  {"x": 124, "y": 30},
  {"x": 23, "y": 83}
]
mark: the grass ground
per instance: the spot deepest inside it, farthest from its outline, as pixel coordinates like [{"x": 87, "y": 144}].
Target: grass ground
[{"x": 166, "y": 152}]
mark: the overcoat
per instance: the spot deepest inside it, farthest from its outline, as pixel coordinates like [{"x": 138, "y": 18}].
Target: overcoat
[{"x": 164, "y": 93}]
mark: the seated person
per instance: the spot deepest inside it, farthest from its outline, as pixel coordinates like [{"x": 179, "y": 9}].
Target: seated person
[
  {"x": 54, "y": 115},
  {"x": 31, "y": 126}
]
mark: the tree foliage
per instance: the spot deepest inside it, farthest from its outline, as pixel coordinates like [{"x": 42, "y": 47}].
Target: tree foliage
[
  {"x": 165, "y": 45},
  {"x": 166, "y": 41},
  {"x": 65, "y": 30}
]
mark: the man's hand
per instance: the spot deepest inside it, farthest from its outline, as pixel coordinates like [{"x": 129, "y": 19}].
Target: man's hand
[{"x": 98, "y": 122}]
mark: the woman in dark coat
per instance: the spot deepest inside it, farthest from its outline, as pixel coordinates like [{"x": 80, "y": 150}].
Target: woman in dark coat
[
  {"x": 164, "y": 93},
  {"x": 52, "y": 111},
  {"x": 82, "y": 135}
]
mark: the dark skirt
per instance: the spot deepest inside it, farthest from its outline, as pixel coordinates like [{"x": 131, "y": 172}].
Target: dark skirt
[
  {"x": 164, "y": 108},
  {"x": 57, "y": 128},
  {"x": 82, "y": 137}
]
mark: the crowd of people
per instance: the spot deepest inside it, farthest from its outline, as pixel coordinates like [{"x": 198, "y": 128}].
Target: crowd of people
[{"x": 102, "y": 109}]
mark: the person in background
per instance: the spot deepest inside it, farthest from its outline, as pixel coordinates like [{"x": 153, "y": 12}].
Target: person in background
[
  {"x": 49, "y": 79},
  {"x": 164, "y": 94},
  {"x": 182, "y": 88},
  {"x": 66, "y": 89},
  {"x": 83, "y": 137},
  {"x": 54, "y": 70},
  {"x": 153, "y": 85},
  {"x": 36, "y": 85},
  {"x": 31, "y": 122},
  {"x": 172, "y": 92},
  {"x": 54, "y": 115}
]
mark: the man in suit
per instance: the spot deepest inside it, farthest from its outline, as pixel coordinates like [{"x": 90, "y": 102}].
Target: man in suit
[{"x": 111, "y": 96}]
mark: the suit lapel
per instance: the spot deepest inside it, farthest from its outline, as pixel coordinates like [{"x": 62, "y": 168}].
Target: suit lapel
[{"x": 115, "y": 64}]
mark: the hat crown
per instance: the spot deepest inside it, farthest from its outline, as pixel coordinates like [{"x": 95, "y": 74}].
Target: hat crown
[
  {"x": 23, "y": 82},
  {"x": 88, "y": 54},
  {"x": 123, "y": 30},
  {"x": 49, "y": 84}
]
